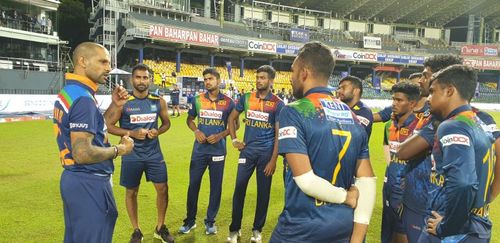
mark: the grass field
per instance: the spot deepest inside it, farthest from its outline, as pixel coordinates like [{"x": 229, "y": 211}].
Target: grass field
[{"x": 31, "y": 207}]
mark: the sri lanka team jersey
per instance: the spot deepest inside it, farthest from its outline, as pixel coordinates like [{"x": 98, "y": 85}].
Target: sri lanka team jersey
[
  {"x": 365, "y": 116},
  {"x": 395, "y": 173},
  {"x": 212, "y": 119},
  {"x": 75, "y": 110},
  {"x": 260, "y": 118},
  {"x": 417, "y": 186},
  {"x": 463, "y": 158},
  {"x": 142, "y": 113},
  {"x": 328, "y": 132}
]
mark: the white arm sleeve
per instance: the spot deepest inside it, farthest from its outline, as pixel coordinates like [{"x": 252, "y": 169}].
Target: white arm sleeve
[
  {"x": 367, "y": 187},
  {"x": 319, "y": 188}
]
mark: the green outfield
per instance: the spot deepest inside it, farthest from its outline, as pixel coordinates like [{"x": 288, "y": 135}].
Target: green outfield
[{"x": 32, "y": 208}]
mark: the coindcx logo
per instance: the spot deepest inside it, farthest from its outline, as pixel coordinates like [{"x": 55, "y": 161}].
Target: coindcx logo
[{"x": 262, "y": 46}]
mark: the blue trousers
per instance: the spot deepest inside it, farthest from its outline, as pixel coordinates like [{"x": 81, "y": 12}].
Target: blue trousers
[
  {"x": 89, "y": 207},
  {"x": 199, "y": 163},
  {"x": 247, "y": 164}
]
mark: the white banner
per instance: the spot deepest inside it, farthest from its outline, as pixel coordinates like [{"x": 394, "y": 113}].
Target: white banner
[
  {"x": 372, "y": 42},
  {"x": 262, "y": 46},
  {"x": 354, "y": 55}
]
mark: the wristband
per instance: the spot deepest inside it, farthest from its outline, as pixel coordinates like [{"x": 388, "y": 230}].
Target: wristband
[
  {"x": 116, "y": 151},
  {"x": 234, "y": 140}
]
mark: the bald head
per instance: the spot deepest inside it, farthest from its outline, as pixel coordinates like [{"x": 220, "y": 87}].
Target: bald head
[
  {"x": 92, "y": 60},
  {"x": 86, "y": 50}
]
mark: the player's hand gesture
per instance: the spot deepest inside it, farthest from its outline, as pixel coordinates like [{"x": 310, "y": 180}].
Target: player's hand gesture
[
  {"x": 152, "y": 134},
  {"x": 140, "y": 133},
  {"x": 270, "y": 168},
  {"x": 200, "y": 136},
  {"x": 433, "y": 222},
  {"x": 125, "y": 146},
  {"x": 119, "y": 96},
  {"x": 214, "y": 138},
  {"x": 352, "y": 196},
  {"x": 239, "y": 145}
]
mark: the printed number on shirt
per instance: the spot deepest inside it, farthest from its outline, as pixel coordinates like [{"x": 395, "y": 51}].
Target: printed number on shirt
[{"x": 345, "y": 146}]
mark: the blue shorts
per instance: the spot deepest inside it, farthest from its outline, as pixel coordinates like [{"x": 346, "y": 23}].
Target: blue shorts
[
  {"x": 131, "y": 172},
  {"x": 89, "y": 207},
  {"x": 414, "y": 224},
  {"x": 391, "y": 218},
  {"x": 175, "y": 102}
]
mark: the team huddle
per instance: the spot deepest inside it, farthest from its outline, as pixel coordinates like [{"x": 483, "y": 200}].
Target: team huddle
[{"x": 441, "y": 153}]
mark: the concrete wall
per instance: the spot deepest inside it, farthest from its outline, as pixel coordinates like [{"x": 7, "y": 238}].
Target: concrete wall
[{"x": 34, "y": 80}]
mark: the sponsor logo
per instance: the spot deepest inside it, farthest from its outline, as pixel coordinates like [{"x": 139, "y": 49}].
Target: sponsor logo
[
  {"x": 455, "y": 139},
  {"x": 366, "y": 56},
  {"x": 222, "y": 103},
  {"x": 78, "y": 125},
  {"x": 153, "y": 108},
  {"x": 365, "y": 122},
  {"x": 269, "y": 103},
  {"x": 262, "y": 46},
  {"x": 212, "y": 114},
  {"x": 257, "y": 115},
  {"x": 287, "y": 132},
  {"x": 404, "y": 131},
  {"x": 142, "y": 118},
  {"x": 242, "y": 161},
  {"x": 393, "y": 146},
  {"x": 217, "y": 158},
  {"x": 129, "y": 109},
  {"x": 337, "y": 111}
]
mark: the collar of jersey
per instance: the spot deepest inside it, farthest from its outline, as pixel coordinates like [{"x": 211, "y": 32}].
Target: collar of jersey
[
  {"x": 84, "y": 81},
  {"x": 458, "y": 110},
  {"x": 408, "y": 121},
  {"x": 324, "y": 90},
  {"x": 220, "y": 96},
  {"x": 268, "y": 96},
  {"x": 358, "y": 105}
]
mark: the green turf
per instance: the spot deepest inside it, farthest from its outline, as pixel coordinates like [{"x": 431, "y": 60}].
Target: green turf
[{"x": 31, "y": 203}]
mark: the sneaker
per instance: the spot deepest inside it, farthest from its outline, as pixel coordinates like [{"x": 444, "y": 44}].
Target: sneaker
[
  {"x": 210, "y": 229},
  {"x": 256, "y": 237},
  {"x": 233, "y": 236},
  {"x": 136, "y": 236},
  {"x": 163, "y": 234},
  {"x": 186, "y": 228}
]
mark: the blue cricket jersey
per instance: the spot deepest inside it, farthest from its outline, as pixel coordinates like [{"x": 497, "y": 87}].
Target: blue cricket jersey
[
  {"x": 365, "y": 116},
  {"x": 142, "y": 113},
  {"x": 463, "y": 158},
  {"x": 260, "y": 119},
  {"x": 75, "y": 110},
  {"x": 328, "y": 132},
  {"x": 212, "y": 119}
]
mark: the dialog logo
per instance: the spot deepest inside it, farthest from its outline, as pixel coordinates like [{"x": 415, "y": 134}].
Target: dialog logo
[{"x": 142, "y": 118}]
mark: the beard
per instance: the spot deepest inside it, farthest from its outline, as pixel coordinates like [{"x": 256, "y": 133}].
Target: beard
[
  {"x": 298, "y": 93},
  {"x": 346, "y": 99},
  {"x": 141, "y": 88},
  {"x": 262, "y": 88}
]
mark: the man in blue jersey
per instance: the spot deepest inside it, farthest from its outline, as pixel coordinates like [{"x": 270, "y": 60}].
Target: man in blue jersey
[
  {"x": 326, "y": 152},
  {"x": 139, "y": 118},
  {"x": 85, "y": 153},
  {"x": 350, "y": 91},
  {"x": 462, "y": 162},
  {"x": 212, "y": 109},
  {"x": 258, "y": 150},
  {"x": 405, "y": 96},
  {"x": 174, "y": 96}
]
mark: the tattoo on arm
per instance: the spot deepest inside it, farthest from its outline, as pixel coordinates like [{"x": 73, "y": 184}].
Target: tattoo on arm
[{"x": 85, "y": 153}]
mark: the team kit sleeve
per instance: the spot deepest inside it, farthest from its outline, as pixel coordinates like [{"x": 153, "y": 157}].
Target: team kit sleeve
[
  {"x": 386, "y": 113},
  {"x": 82, "y": 116},
  {"x": 192, "y": 110},
  {"x": 364, "y": 152},
  {"x": 241, "y": 104},
  {"x": 491, "y": 125},
  {"x": 291, "y": 132},
  {"x": 460, "y": 176},
  {"x": 428, "y": 132}
]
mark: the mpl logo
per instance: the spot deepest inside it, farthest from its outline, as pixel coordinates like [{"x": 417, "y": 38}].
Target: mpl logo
[
  {"x": 212, "y": 114},
  {"x": 143, "y": 118},
  {"x": 287, "y": 132},
  {"x": 262, "y": 46},
  {"x": 458, "y": 139},
  {"x": 363, "y": 120},
  {"x": 257, "y": 115}
]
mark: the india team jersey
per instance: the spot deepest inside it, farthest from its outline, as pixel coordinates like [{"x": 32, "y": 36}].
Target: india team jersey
[
  {"x": 395, "y": 173},
  {"x": 260, "y": 118},
  {"x": 328, "y": 132},
  {"x": 365, "y": 116},
  {"x": 75, "y": 110},
  {"x": 463, "y": 159},
  {"x": 142, "y": 113},
  {"x": 212, "y": 119}
]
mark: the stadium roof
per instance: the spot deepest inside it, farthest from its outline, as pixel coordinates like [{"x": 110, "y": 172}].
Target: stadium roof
[{"x": 425, "y": 12}]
